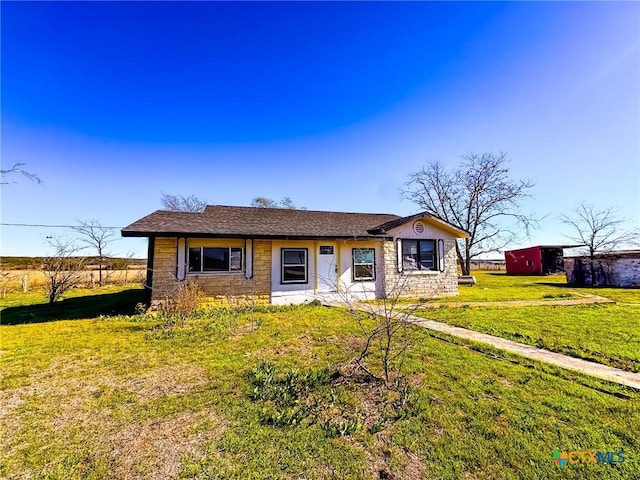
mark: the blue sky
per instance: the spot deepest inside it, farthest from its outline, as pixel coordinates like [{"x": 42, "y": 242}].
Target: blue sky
[{"x": 332, "y": 104}]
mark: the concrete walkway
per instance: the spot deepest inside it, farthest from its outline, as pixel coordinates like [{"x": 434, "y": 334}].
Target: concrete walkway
[
  {"x": 584, "y": 299},
  {"x": 594, "y": 369}
]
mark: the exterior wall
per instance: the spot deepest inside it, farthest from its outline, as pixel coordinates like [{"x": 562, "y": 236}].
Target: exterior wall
[
  {"x": 362, "y": 290},
  {"x": 318, "y": 286},
  {"x": 283, "y": 293},
  {"x": 164, "y": 267},
  {"x": 222, "y": 286},
  {"x": 263, "y": 260},
  {"x": 627, "y": 272},
  {"x": 623, "y": 271},
  {"x": 524, "y": 261},
  {"x": 219, "y": 286},
  {"x": 421, "y": 283}
]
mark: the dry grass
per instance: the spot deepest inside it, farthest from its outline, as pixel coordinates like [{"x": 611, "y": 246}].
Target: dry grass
[
  {"x": 161, "y": 445},
  {"x": 133, "y": 446},
  {"x": 12, "y": 280}
]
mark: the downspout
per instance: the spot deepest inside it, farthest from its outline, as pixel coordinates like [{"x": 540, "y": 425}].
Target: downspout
[
  {"x": 315, "y": 267},
  {"x": 181, "y": 259},
  {"x": 339, "y": 263},
  {"x": 246, "y": 259},
  {"x": 148, "y": 285}
]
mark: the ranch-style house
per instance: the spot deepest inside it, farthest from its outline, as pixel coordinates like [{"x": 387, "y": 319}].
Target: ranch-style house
[{"x": 283, "y": 256}]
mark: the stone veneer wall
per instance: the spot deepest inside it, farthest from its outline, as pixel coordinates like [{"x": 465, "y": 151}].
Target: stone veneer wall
[
  {"x": 220, "y": 286},
  {"x": 421, "y": 284},
  {"x": 164, "y": 267}
]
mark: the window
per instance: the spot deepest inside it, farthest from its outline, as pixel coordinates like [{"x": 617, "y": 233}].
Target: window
[
  {"x": 364, "y": 265},
  {"x": 215, "y": 259},
  {"x": 419, "y": 255},
  {"x": 294, "y": 265}
]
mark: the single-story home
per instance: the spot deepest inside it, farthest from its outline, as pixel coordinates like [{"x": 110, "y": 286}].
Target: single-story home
[
  {"x": 283, "y": 256},
  {"x": 616, "y": 269}
]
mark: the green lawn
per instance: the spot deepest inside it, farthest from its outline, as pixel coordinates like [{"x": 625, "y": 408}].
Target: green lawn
[
  {"x": 607, "y": 333},
  {"x": 117, "y": 397},
  {"x": 497, "y": 287},
  {"x": 81, "y": 300}
]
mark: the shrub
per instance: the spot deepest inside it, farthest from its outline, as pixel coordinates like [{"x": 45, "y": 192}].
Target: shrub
[{"x": 183, "y": 302}]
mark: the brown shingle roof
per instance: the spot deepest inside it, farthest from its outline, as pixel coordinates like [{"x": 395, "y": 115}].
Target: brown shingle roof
[{"x": 224, "y": 221}]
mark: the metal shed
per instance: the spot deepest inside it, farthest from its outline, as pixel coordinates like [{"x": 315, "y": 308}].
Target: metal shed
[{"x": 538, "y": 260}]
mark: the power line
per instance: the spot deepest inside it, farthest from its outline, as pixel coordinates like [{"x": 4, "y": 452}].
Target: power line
[{"x": 50, "y": 226}]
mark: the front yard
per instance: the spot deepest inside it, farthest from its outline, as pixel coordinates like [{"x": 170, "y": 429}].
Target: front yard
[
  {"x": 605, "y": 333},
  {"x": 118, "y": 397}
]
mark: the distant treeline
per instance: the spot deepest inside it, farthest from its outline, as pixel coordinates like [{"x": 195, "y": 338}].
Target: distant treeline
[{"x": 34, "y": 263}]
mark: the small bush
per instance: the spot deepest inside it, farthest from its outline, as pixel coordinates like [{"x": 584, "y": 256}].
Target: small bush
[{"x": 183, "y": 302}]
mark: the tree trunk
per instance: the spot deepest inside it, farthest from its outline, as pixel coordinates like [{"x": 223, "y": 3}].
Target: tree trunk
[{"x": 462, "y": 261}]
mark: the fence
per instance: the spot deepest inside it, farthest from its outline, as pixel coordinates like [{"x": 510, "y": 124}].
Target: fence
[{"x": 26, "y": 280}]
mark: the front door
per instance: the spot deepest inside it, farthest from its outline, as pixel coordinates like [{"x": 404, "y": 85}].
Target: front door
[{"x": 327, "y": 272}]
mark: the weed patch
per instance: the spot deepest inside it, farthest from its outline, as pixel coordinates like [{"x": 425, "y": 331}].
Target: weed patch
[{"x": 340, "y": 402}]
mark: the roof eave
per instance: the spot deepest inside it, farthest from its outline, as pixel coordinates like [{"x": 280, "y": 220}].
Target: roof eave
[{"x": 140, "y": 234}]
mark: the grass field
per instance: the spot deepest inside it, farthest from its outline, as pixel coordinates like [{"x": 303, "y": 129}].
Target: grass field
[
  {"x": 498, "y": 287},
  {"x": 11, "y": 281},
  {"x": 608, "y": 333},
  {"x": 238, "y": 394}
]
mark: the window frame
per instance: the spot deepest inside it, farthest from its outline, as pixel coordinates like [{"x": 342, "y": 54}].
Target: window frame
[
  {"x": 202, "y": 271},
  {"x": 419, "y": 267},
  {"x": 355, "y": 278},
  {"x": 283, "y": 265}
]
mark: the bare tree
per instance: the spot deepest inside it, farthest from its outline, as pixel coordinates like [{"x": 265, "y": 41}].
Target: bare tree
[
  {"x": 17, "y": 169},
  {"x": 384, "y": 325},
  {"x": 97, "y": 237},
  {"x": 599, "y": 230},
  {"x": 180, "y": 203},
  {"x": 63, "y": 270},
  {"x": 264, "y": 202},
  {"x": 125, "y": 263},
  {"x": 478, "y": 197},
  {"x": 6, "y": 277}
]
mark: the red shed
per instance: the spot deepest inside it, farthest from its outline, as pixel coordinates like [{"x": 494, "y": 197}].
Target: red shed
[{"x": 538, "y": 260}]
